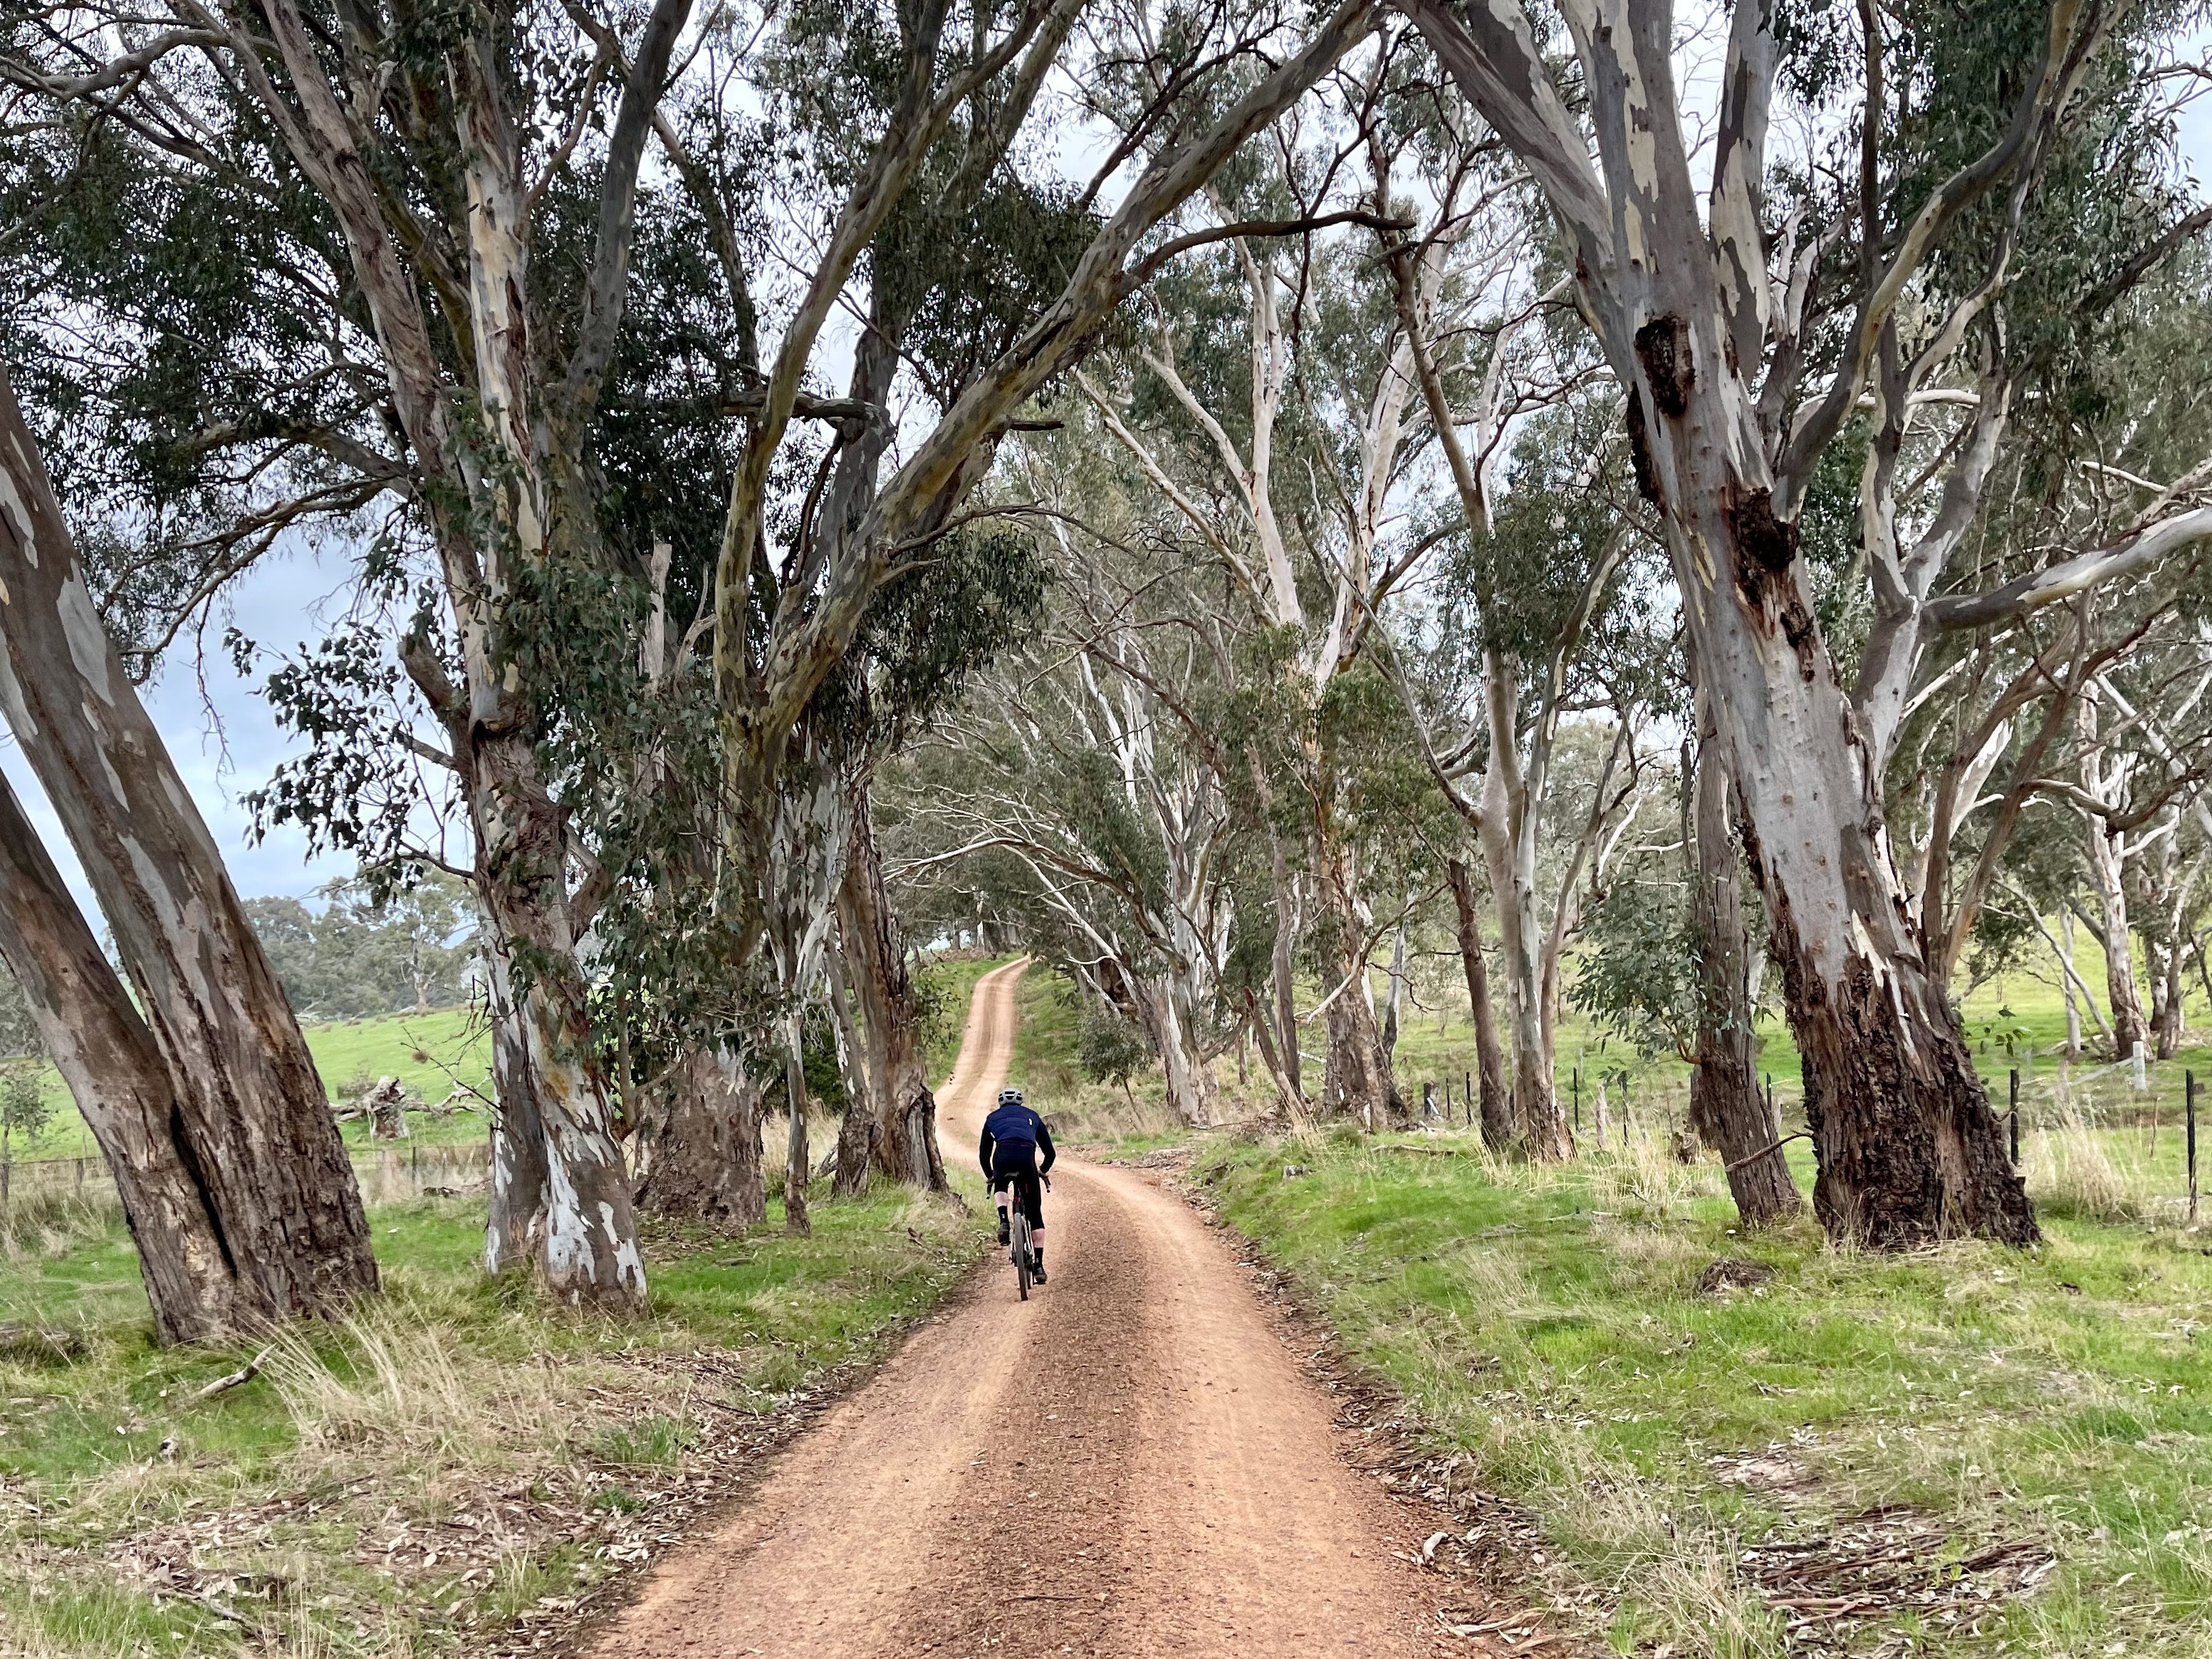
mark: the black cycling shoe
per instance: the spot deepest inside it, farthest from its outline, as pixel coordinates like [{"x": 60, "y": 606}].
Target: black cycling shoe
[
  {"x": 1037, "y": 1269},
  {"x": 1004, "y": 1236}
]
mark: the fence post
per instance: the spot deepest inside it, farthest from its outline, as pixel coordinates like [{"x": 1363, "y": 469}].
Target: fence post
[
  {"x": 1468, "y": 1078},
  {"x": 2012, "y": 1091},
  {"x": 1578, "y": 1097},
  {"x": 2188, "y": 1094}
]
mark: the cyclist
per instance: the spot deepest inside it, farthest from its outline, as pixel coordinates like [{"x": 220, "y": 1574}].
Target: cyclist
[{"x": 1016, "y": 1149}]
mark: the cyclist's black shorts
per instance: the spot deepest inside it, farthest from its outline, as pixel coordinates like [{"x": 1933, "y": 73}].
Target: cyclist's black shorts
[{"x": 1013, "y": 1163}]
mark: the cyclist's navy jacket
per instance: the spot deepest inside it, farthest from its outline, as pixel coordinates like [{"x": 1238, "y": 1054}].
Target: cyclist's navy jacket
[{"x": 1012, "y": 1128}]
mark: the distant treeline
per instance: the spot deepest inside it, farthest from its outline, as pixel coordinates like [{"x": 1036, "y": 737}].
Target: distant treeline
[
  {"x": 355, "y": 956},
  {"x": 363, "y": 955}
]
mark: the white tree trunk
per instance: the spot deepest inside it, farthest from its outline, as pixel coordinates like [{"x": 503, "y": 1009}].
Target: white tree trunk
[
  {"x": 1168, "y": 1021},
  {"x": 1682, "y": 305}
]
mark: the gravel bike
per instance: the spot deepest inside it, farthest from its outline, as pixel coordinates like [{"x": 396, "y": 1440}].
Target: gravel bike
[{"x": 1018, "y": 1232}]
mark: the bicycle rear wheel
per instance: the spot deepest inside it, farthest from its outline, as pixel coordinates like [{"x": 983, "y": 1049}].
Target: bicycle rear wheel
[{"x": 1021, "y": 1255}]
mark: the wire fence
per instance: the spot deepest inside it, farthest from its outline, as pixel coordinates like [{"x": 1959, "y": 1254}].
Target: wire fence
[
  {"x": 2118, "y": 1142},
  {"x": 388, "y": 1174}
]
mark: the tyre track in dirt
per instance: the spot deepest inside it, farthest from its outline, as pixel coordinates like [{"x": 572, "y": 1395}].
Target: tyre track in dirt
[{"x": 1131, "y": 1464}]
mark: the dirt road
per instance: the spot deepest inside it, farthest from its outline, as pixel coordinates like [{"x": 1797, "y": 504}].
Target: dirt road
[{"x": 1129, "y": 1464}]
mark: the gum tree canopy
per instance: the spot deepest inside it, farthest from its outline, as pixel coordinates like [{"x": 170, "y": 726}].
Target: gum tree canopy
[
  {"x": 529, "y": 303},
  {"x": 1749, "y": 320}
]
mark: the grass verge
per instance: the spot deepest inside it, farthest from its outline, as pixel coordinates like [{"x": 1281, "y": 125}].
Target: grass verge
[
  {"x": 1121, "y": 1120},
  {"x": 453, "y": 1466},
  {"x": 1968, "y": 1451}
]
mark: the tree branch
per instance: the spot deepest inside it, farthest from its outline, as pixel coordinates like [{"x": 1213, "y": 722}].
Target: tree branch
[
  {"x": 2069, "y": 577},
  {"x": 605, "y": 291}
]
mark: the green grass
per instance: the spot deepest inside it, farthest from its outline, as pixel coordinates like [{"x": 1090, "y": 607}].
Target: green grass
[
  {"x": 1547, "y": 1325},
  {"x": 2014, "y": 1023},
  {"x": 430, "y": 1053},
  {"x": 141, "y": 1518},
  {"x": 1043, "y": 1063},
  {"x": 1548, "y": 1329}
]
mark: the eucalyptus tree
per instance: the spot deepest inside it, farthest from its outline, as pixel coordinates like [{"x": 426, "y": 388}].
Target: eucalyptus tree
[
  {"x": 1504, "y": 673},
  {"x": 2143, "y": 746},
  {"x": 980, "y": 595},
  {"x": 1091, "y": 762},
  {"x": 900, "y": 1138},
  {"x": 200, "y": 1089},
  {"x": 1547, "y": 622},
  {"x": 978, "y": 283},
  {"x": 389, "y": 177},
  {"x": 1225, "y": 73},
  {"x": 1498, "y": 1117},
  {"x": 1745, "y": 323},
  {"x": 1727, "y": 1110},
  {"x": 2109, "y": 771},
  {"x": 1669, "y": 963},
  {"x": 2012, "y": 704},
  {"x": 446, "y": 257},
  {"x": 1271, "y": 402}
]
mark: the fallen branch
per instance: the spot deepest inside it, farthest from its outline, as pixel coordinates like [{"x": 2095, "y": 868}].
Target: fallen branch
[
  {"x": 1753, "y": 1157},
  {"x": 237, "y": 1379}
]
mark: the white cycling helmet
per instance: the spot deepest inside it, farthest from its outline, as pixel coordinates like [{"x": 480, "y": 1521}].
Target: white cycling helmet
[{"x": 1010, "y": 1097}]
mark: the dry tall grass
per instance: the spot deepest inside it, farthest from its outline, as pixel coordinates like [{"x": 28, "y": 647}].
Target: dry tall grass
[
  {"x": 1103, "y": 1113},
  {"x": 2071, "y": 1170},
  {"x": 392, "y": 1377},
  {"x": 50, "y": 1225},
  {"x": 1641, "y": 1174}
]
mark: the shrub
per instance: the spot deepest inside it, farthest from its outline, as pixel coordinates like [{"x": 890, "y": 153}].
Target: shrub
[{"x": 1108, "y": 1047}]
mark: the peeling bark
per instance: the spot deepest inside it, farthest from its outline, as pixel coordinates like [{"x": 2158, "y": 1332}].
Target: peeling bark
[
  {"x": 1357, "y": 1078},
  {"x": 1169, "y": 1021},
  {"x": 251, "y": 1119},
  {"x": 107, "y": 1056},
  {"x": 705, "y": 1153},
  {"x": 798, "y": 1161},
  {"x": 583, "y": 1241},
  {"x": 856, "y": 1130},
  {"x": 906, "y": 1125},
  {"x": 1910, "y": 1150},
  {"x": 515, "y": 1218}
]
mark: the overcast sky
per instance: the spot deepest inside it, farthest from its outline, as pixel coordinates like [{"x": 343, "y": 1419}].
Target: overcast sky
[{"x": 218, "y": 729}]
